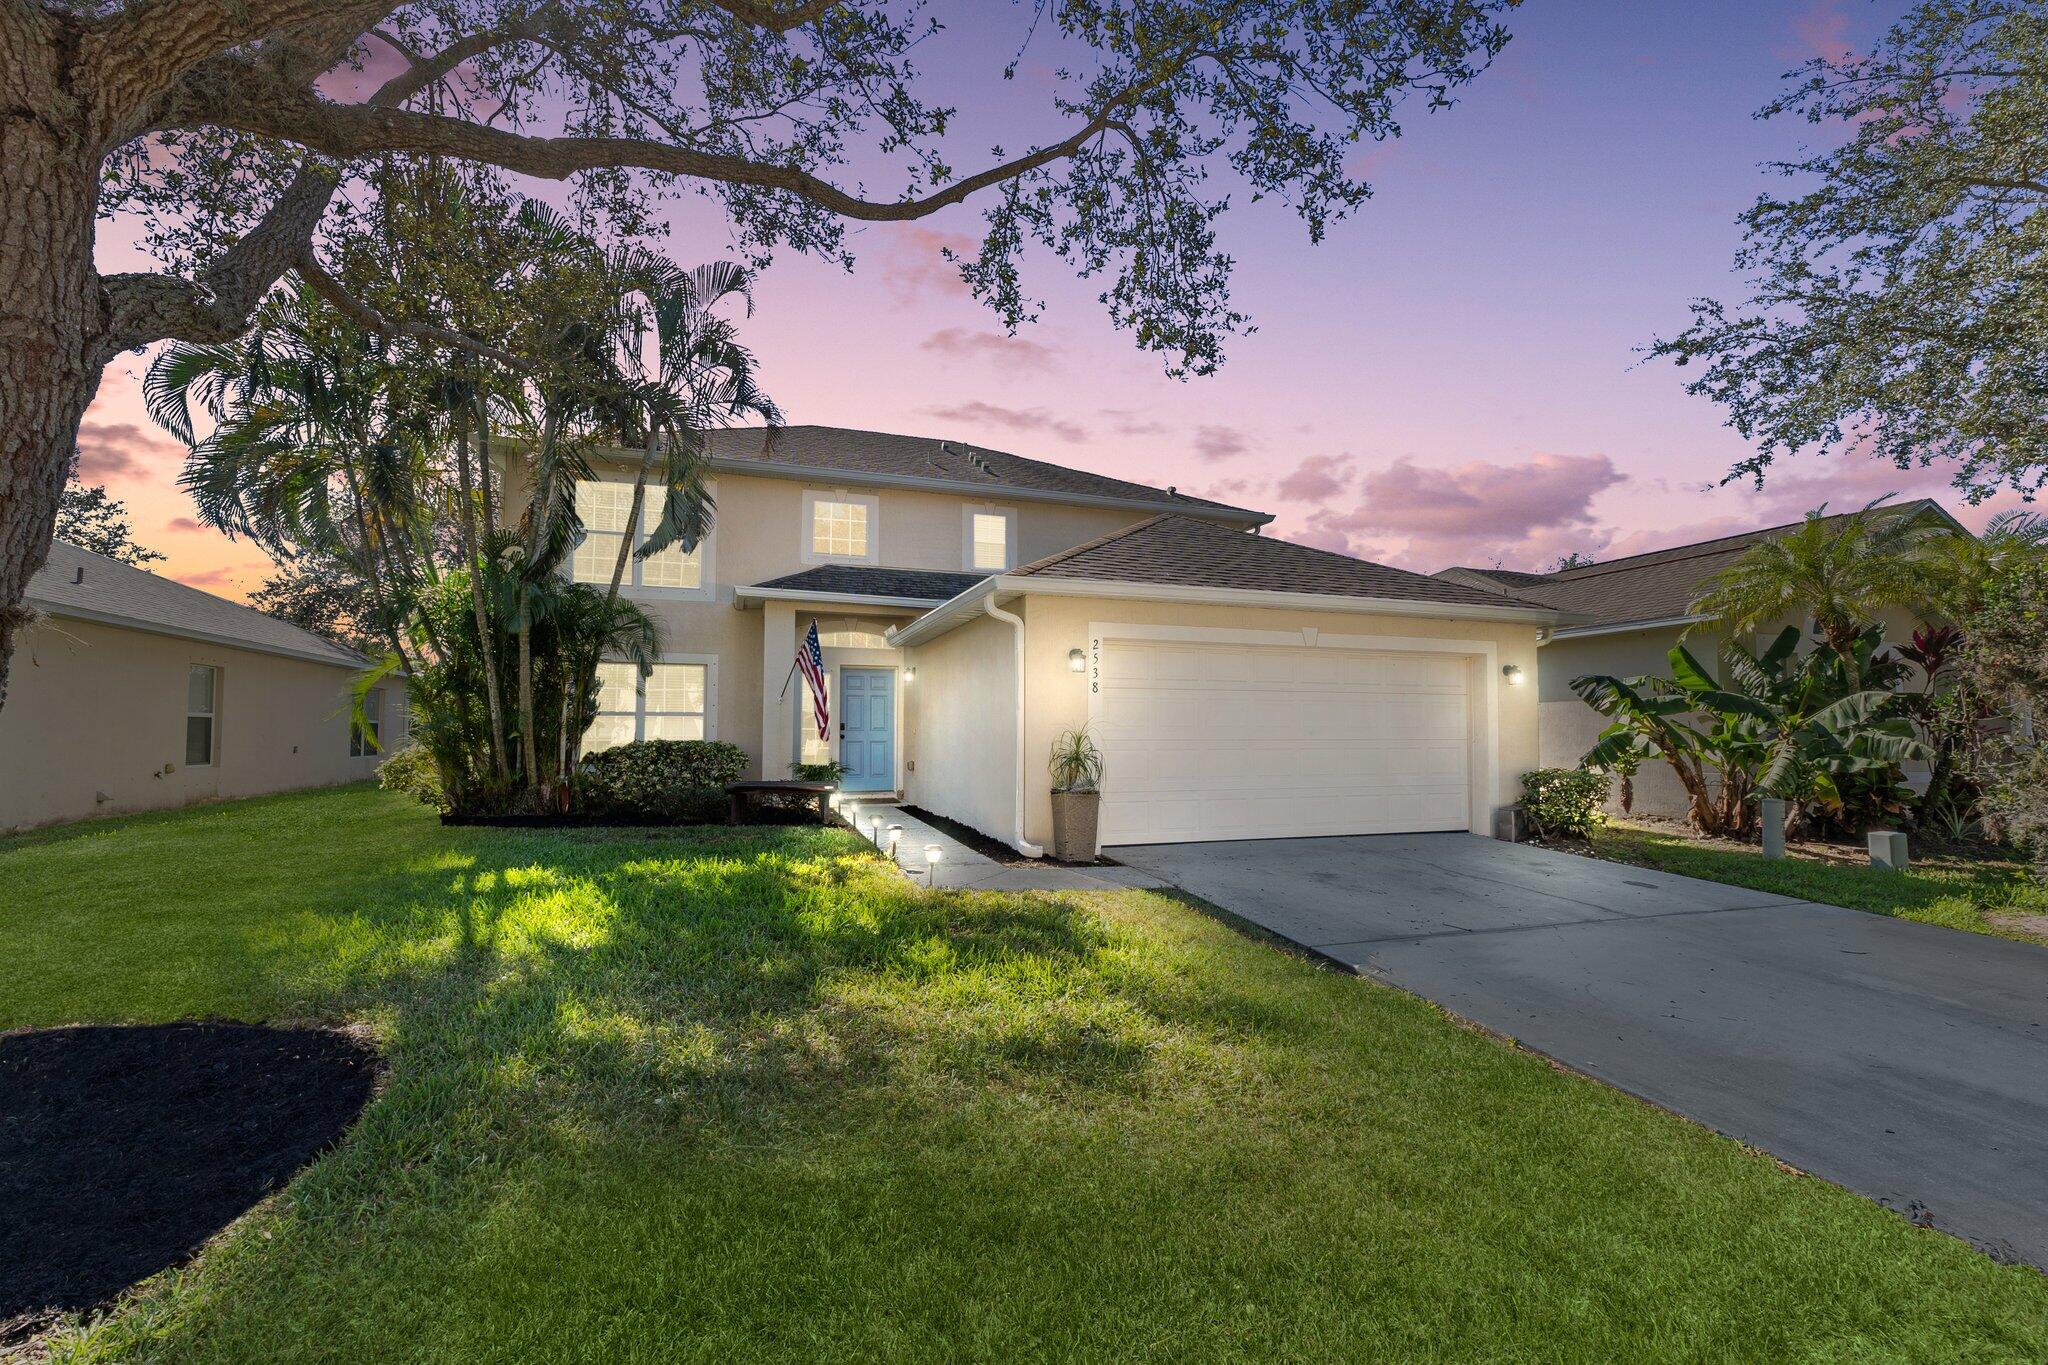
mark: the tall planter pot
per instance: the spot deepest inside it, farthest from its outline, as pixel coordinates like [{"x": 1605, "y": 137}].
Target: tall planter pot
[{"x": 1074, "y": 825}]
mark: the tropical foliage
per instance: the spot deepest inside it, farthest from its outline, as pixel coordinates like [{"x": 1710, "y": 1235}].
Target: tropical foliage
[
  {"x": 1075, "y": 763},
  {"x": 1841, "y": 571},
  {"x": 1822, "y": 730},
  {"x": 444, "y": 481},
  {"x": 2003, "y": 669}
]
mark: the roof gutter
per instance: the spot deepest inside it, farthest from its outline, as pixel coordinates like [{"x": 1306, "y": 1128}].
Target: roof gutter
[
  {"x": 108, "y": 618},
  {"x": 945, "y": 616},
  {"x": 987, "y": 492},
  {"x": 1016, "y": 624},
  {"x": 1622, "y": 627},
  {"x": 743, "y": 596}
]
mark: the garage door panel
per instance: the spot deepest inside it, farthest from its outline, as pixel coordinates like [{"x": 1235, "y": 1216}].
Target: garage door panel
[{"x": 1207, "y": 741}]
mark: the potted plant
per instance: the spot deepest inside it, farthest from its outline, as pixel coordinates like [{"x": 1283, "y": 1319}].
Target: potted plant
[{"x": 1076, "y": 769}]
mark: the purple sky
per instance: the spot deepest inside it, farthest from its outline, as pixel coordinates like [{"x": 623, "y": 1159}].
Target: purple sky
[{"x": 1451, "y": 377}]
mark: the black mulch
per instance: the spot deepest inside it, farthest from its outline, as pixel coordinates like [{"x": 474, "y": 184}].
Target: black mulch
[
  {"x": 123, "y": 1149},
  {"x": 996, "y": 849}
]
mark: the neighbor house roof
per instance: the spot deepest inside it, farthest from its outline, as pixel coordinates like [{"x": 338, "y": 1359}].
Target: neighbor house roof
[
  {"x": 79, "y": 584},
  {"x": 1174, "y": 557},
  {"x": 1648, "y": 589},
  {"x": 1188, "y": 552},
  {"x": 859, "y": 580},
  {"x": 884, "y": 459}
]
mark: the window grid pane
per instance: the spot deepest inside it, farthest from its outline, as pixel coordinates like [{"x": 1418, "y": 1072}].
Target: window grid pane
[
  {"x": 668, "y": 704},
  {"x": 991, "y": 541},
  {"x": 839, "y": 529},
  {"x": 199, "y": 690},
  {"x": 672, "y": 568}
]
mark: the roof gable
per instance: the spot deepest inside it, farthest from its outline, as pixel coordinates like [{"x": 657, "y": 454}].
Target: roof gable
[
  {"x": 78, "y": 583},
  {"x": 955, "y": 464}
]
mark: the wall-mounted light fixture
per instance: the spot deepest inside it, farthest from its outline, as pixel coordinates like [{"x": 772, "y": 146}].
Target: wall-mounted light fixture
[
  {"x": 910, "y": 675},
  {"x": 1077, "y": 660},
  {"x": 1513, "y": 673}
]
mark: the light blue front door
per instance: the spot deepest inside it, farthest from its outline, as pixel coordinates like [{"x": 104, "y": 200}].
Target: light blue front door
[{"x": 867, "y": 729}]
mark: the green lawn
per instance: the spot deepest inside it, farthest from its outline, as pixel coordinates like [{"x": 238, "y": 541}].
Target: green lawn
[
  {"x": 748, "y": 1095},
  {"x": 1959, "y": 893}
]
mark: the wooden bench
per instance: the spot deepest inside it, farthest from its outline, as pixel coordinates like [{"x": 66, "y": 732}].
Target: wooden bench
[{"x": 744, "y": 794}]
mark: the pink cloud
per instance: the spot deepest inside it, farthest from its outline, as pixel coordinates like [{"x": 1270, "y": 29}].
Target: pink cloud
[
  {"x": 1477, "y": 512},
  {"x": 1819, "y": 29},
  {"x": 210, "y": 580},
  {"x": 1317, "y": 478},
  {"x": 182, "y": 524},
  {"x": 1012, "y": 419},
  {"x": 911, "y": 268},
  {"x": 118, "y": 450},
  {"x": 1015, "y": 353},
  {"x": 1124, "y": 422},
  {"x": 1219, "y": 443}
]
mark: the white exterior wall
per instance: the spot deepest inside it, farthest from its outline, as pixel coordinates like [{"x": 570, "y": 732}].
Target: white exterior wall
[{"x": 960, "y": 744}]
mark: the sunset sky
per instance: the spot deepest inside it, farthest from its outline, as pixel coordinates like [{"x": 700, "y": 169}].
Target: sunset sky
[{"x": 1451, "y": 377}]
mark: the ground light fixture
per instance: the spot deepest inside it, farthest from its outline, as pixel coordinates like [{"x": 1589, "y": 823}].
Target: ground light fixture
[
  {"x": 932, "y": 854},
  {"x": 1513, "y": 673},
  {"x": 895, "y": 838},
  {"x": 1077, "y": 661},
  {"x": 875, "y": 830}
]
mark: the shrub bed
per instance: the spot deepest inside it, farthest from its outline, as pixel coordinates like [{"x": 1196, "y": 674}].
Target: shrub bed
[{"x": 669, "y": 781}]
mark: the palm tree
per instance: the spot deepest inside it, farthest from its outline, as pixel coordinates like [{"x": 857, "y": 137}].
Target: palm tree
[
  {"x": 1841, "y": 571},
  {"x": 2007, "y": 541}
]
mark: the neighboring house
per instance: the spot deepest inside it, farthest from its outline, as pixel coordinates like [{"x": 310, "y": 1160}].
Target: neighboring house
[
  {"x": 133, "y": 692},
  {"x": 971, "y": 604},
  {"x": 1629, "y": 613}
]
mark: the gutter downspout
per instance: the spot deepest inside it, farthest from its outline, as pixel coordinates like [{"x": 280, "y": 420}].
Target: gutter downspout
[{"x": 1016, "y": 623}]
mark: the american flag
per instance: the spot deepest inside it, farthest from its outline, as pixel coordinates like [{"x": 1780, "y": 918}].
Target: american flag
[{"x": 811, "y": 659}]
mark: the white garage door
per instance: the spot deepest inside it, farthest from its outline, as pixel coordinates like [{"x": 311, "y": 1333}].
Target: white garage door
[{"x": 1211, "y": 741}]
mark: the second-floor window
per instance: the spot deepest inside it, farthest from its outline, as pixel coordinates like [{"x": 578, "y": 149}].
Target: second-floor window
[
  {"x": 991, "y": 532},
  {"x": 839, "y": 526},
  {"x": 604, "y": 508}
]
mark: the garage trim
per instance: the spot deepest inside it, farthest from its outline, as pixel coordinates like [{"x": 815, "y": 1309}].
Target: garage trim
[{"x": 1483, "y": 677}]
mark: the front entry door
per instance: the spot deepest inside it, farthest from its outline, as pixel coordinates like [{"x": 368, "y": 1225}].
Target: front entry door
[{"x": 867, "y": 729}]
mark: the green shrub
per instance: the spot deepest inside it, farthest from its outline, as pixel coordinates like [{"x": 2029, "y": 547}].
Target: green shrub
[
  {"x": 817, "y": 772},
  {"x": 411, "y": 770},
  {"x": 1564, "y": 802},
  {"x": 679, "y": 779}
]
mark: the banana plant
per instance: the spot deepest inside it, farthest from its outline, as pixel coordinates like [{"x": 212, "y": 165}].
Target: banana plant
[{"x": 1804, "y": 727}]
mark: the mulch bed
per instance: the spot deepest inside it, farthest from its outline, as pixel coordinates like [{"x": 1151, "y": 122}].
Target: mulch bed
[
  {"x": 122, "y": 1150},
  {"x": 762, "y": 814},
  {"x": 996, "y": 849}
]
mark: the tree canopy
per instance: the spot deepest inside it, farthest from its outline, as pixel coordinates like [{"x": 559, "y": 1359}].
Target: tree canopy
[{"x": 1899, "y": 303}]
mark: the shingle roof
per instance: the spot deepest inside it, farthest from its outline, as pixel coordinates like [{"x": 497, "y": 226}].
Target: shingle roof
[
  {"x": 859, "y": 580},
  {"x": 80, "y": 583},
  {"x": 927, "y": 457},
  {"x": 1658, "y": 586},
  {"x": 1185, "y": 551}
]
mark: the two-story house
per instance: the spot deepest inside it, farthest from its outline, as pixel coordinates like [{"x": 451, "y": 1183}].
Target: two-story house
[{"x": 971, "y": 604}]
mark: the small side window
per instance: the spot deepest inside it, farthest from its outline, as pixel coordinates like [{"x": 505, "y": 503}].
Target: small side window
[
  {"x": 202, "y": 692},
  {"x": 368, "y": 737}
]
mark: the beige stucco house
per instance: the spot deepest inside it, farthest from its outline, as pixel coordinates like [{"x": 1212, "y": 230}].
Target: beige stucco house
[
  {"x": 971, "y": 604},
  {"x": 133, "y": 692},
  {"x": 1626, "y": 616}
]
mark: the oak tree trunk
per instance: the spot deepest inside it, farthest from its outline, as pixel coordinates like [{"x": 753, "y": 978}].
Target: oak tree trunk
[{"x": 50, "y": 328}]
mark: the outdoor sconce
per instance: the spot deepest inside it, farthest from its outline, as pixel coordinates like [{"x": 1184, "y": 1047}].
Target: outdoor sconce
[
  {"x": 1513, "y": 673},
  {"x": 910, "y": 675},
  {"x": 1077, "y": 661}
]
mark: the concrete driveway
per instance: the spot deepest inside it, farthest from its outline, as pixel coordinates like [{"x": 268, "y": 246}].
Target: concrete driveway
[{"x": 1905, "y": 1061}]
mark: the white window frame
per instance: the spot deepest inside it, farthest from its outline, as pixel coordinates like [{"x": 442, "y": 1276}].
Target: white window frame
[
  {"x": 807, "y": 554},
  {"x": 710, "y": 665},
  {"x": 212, "y": 715},
  {"x": 630, "y": 585},
  {"x": 967, "y": 516}
]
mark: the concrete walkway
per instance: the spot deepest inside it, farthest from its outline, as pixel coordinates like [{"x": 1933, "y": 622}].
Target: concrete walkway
[
  {"x": 961, "y": 867},
  {"x": 1905, "y": 1061}
]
